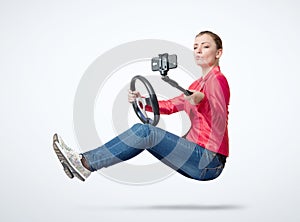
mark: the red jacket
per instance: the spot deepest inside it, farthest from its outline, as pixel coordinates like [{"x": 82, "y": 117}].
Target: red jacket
[{"x": 209, "y": 118}]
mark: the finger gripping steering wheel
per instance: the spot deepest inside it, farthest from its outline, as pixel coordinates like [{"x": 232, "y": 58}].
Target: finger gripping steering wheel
[{"x": 139, "y": 105}]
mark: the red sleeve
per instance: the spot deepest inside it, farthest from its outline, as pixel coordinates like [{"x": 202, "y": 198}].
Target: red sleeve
[{"x": 169, "y": 106}]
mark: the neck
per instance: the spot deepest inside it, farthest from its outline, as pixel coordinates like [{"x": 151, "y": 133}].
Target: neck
[{"x": 207, "y": 69}]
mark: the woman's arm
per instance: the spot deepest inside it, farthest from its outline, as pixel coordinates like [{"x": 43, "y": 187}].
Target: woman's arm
[
  {"x": 195, "y": 98},
  {"x": 165, "y": 106}
]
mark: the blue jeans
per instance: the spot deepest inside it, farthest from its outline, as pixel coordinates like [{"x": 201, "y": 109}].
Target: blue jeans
[{"x": 187, "y": 158}]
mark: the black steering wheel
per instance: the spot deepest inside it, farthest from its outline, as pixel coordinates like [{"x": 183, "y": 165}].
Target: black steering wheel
[{"x": 139, "y": 105}]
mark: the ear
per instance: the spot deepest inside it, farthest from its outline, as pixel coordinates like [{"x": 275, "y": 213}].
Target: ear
[{"x": 219, "y": 53}]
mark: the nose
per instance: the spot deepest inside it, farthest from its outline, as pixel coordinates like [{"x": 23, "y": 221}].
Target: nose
[{"x": 198, "y": 50}]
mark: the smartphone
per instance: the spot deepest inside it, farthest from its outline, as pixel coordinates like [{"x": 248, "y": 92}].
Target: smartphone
[{"x": 163, "y": 63}]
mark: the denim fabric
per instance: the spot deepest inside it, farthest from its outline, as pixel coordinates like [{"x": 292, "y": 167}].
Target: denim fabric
[{"x": 187, "y": 158}]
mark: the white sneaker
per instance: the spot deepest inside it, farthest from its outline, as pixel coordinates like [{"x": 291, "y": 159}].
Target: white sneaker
[{"x": 70, "y": 160}]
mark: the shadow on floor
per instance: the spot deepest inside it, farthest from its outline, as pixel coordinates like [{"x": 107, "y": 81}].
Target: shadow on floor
[
  {"x": 186, "y": 207},
  {"x": 170, "y": 207}
]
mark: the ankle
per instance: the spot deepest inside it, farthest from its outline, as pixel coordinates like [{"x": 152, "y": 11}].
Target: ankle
[{"x": 85, "y": 163}]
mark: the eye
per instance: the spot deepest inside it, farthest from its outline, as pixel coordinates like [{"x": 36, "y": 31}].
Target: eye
[{"x": 206, "y": 46}]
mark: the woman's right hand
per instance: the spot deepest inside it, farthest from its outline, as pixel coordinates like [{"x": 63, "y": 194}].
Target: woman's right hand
[{"x": 132, "y": 95}]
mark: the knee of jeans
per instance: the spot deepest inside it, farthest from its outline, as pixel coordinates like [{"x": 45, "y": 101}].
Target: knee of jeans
[{"x": 141, "y": 130}]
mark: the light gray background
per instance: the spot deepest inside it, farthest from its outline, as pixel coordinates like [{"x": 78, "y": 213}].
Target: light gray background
[{"x": 47, "y": 45}]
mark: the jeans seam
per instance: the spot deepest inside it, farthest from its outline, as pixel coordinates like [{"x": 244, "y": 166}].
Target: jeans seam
[{"x": 113, "y": 155}]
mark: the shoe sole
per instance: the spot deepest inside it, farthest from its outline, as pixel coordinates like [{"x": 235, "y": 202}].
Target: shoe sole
[
  {"x": 68, "y": 168},
  {"x": 55, "y": 138}
]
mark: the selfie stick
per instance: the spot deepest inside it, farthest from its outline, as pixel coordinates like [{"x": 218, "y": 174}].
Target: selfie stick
[
  {"x": 163, "y": 63},
  {"x": 175, "y": 84}
]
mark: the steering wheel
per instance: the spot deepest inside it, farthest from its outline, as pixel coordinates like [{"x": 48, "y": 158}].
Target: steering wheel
[{"x": 139, "y": 105}]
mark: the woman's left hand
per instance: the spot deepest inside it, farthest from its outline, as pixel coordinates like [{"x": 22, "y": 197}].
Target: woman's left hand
[{"x": 195, "y": 98}]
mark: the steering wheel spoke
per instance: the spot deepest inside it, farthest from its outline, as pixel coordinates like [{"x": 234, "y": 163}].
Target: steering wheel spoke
[{"x": 139, "y": 105}]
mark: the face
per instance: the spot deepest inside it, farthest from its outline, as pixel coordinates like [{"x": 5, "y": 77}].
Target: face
[{"x": 205, "y": 51}]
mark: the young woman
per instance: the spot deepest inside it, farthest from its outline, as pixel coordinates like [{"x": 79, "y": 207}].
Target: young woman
[{"x": 200, "y": 154}]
